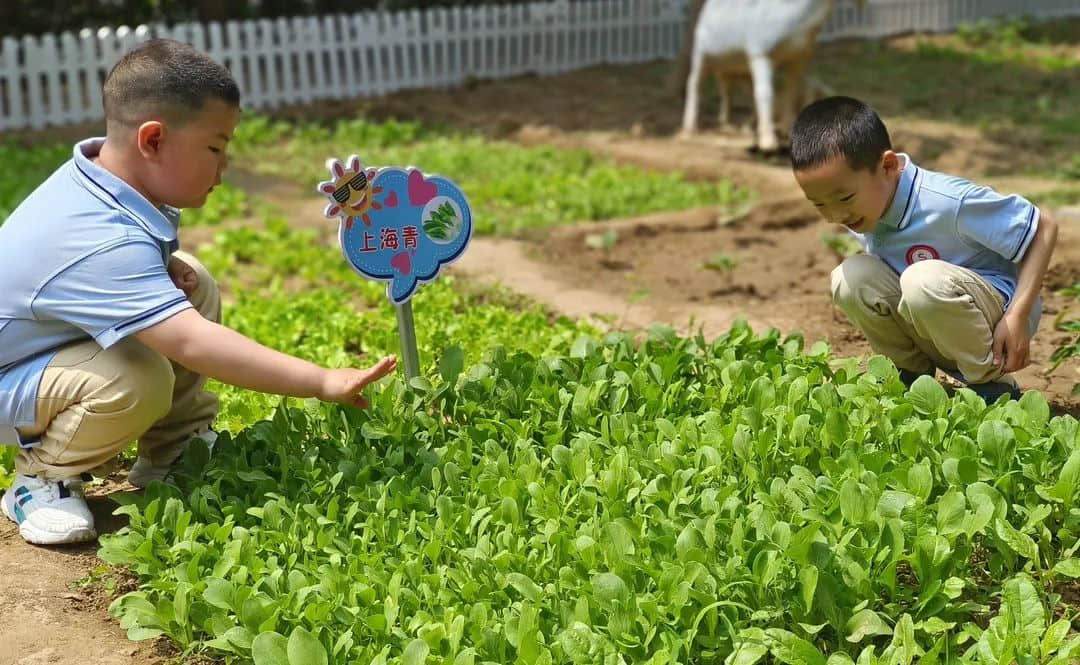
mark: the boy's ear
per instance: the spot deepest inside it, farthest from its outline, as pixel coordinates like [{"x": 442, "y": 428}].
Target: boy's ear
[
  {"x": 149, "y": 136},
  {"x": 890, "y": 162}
]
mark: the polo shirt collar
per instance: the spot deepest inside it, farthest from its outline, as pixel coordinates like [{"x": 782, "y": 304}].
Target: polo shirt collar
[
  {"x": 114, "y": 192},
  {"x": 899, "y": 213}
]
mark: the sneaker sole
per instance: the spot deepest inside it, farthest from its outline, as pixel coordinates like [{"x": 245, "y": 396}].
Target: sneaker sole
[{"x": 35, "y": 537}]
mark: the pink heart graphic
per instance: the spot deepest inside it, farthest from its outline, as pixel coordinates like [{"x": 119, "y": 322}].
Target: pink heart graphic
[
  {"x": 420, "y": 191},
  {"x": 391, "y": 200},
  {"x": 402, "y": 263}
]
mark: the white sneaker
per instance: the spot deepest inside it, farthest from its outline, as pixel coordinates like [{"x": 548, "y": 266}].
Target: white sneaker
[
  {"x": 49, "y": 513},
  {"x": 143, "y": 471}
]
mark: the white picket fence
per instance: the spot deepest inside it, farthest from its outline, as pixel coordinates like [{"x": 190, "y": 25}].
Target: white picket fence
[
  {"x": 56, "y": 80},
  {"x": 882, "y": 18}
]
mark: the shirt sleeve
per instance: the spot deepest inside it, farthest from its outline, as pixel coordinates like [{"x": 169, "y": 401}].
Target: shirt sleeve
[
  {"x": 1004, "y": 224},
  {"x": 113, "y": 293}
]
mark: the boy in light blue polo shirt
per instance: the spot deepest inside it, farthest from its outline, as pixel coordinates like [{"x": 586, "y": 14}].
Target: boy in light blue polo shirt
[
  {"x": 952, "y": 270},
  {"x": 107, "y": 332}
]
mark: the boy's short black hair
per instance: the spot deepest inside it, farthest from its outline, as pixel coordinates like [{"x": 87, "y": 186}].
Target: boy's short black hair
[
  {"x": 164, "y": 78},
  {"x": 838, "y": 126}
]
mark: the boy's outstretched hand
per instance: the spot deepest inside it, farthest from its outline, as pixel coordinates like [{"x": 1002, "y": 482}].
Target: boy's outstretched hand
[{"x": 345, "y": 385}]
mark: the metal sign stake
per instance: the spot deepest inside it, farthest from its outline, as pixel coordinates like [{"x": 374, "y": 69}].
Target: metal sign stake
[{"x": 407, "y": 335}]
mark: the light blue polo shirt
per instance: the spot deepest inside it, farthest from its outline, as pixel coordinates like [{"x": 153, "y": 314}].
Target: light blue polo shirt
[
  {"x": 84, "y": 257},
  {"x": 938, "y": 216}
]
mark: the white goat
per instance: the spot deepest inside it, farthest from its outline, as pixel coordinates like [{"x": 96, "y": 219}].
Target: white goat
[{"x": 759, "y": 37}]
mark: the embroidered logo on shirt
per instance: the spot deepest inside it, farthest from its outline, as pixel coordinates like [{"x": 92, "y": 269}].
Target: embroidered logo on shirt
[{"x": 921, "y": 253}]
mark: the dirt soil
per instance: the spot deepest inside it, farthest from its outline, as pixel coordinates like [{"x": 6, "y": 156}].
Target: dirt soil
[
  {"x": 654, "y": 273},
  {"x": 55, "y": 601}
]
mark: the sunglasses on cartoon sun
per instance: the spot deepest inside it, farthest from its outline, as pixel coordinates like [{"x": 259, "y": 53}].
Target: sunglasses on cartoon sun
[{"x": 358, "y": 182}]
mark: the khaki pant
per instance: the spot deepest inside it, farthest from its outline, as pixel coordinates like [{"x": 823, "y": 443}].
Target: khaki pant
[
  {"x": 935, "y": 314},
  {"x": 93, "y": 402}
]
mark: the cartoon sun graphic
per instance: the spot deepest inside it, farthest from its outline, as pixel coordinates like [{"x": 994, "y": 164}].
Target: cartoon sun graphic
[{"x": 351, "y": 194}]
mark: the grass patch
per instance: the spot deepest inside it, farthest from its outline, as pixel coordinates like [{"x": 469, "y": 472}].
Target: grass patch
[
  {"x": 227, "y": 201},
  {"x": 1057, "y": 197},
  {"x": 25, "y": 169},
  {"x": 510, "y": 187}
]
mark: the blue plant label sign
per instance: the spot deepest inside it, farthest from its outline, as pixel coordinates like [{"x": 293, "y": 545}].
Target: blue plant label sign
[{"x": 397, "y": 225}]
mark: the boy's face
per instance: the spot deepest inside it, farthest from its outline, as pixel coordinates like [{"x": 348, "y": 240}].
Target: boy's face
[
  {"x": 185, "y": 160},
  {"x": 854, "y": 199}
]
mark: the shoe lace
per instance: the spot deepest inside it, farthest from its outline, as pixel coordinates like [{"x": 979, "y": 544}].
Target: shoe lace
[
  {"x": 56, "y": 490},
  {"x": 65, "y": 489}
]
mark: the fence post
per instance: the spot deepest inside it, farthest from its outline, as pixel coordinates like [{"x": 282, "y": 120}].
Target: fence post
[
  {"x": 95, "y": 74},
  {"x": 561, "y": 41},
  {"x": 240, "y": 53},
  {"x": 69, "y": 101},
  {"x": 12, "y": 115},
  {"x": 34, "y": 106}
]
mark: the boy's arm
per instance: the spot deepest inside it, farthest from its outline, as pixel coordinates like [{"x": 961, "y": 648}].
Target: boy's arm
[
  {"x": 1011, "y": 335},
  {"x": 213, "y": 350}
]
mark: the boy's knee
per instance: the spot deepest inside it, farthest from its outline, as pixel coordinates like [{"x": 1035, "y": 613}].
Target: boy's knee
[
  {"x": 842, "y": 293},
  {"x": 846, "y": 277},
  {"x": 144, "y": 381},
  {"x": 923, "y": 283},
  {"x": 206, "y": 298}
]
